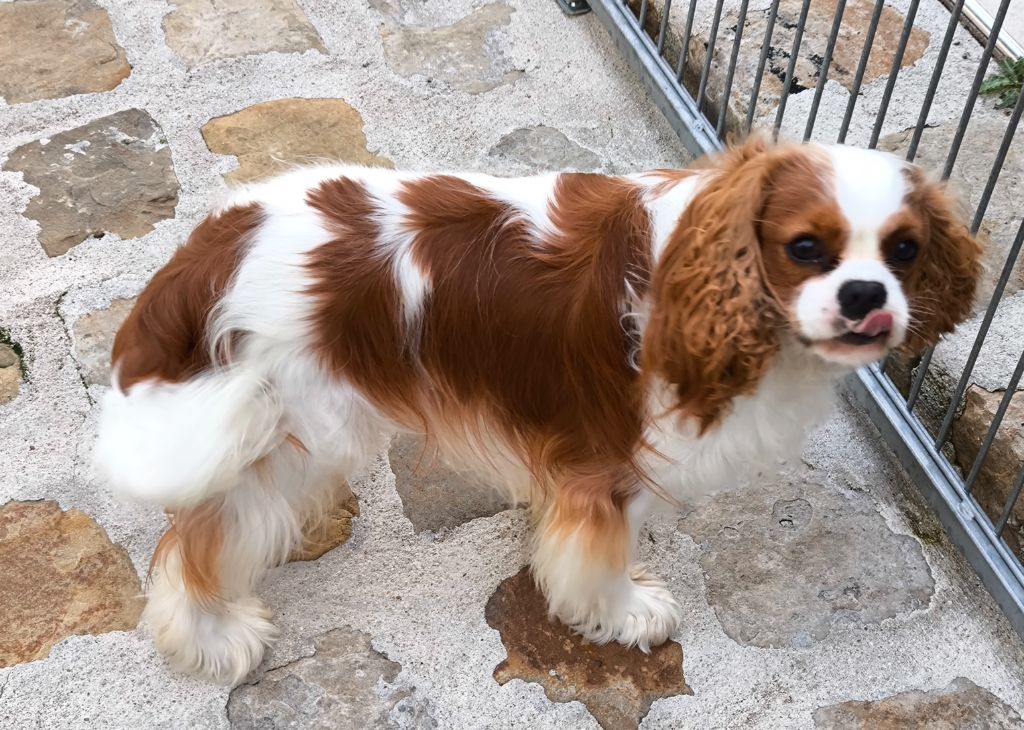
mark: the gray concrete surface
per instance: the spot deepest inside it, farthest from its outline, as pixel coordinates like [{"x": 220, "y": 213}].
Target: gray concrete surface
[{"x": 919, "y": 623}]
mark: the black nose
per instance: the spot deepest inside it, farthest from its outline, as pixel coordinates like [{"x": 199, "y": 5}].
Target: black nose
[{"x": 857, "y": 298}]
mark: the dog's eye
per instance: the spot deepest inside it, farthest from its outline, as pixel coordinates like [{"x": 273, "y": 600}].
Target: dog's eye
[
  {"x": 904, "y": 251},
  {"x": 806, "y": 251}
]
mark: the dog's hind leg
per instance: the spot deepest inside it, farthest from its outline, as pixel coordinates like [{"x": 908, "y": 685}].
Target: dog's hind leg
[{"x": 203, "y": 609}]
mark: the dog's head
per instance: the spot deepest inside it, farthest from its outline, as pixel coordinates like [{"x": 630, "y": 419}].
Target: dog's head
[{"x": 854, "y": 253}]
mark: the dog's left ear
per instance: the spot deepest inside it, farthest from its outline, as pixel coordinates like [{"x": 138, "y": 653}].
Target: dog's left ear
[
  {"x": 713, "y": 328},
  {"x": 941, "y": 283}
]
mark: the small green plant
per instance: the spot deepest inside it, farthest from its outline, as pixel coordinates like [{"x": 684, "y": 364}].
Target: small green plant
[{"x": 1006, "y": 84}]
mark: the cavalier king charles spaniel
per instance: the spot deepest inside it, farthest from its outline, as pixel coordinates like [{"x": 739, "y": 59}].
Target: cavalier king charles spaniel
[{"x": 600, "y": 346}]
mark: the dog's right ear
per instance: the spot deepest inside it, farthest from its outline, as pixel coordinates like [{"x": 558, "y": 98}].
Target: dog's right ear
[
  {"x": 713, "y": 327},
  {"x": 941, "y": 283}
]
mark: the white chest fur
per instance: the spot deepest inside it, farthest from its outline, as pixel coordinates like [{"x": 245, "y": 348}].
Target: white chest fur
[{"x": 770, "y": 424}]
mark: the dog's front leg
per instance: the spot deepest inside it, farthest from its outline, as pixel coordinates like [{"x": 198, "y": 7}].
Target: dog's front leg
[{"x": 583, "y": 561}]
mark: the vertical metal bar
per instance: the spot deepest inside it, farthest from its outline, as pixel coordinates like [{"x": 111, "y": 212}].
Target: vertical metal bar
[
  {"x": 643, "y": 15},
  {"x": 922, "y": 371},
  {"x": 979, "y": 77},
  {"x": 666, "y": 11},
  {"x": 773, "y": 12},
  {"x": 933, "y": 84},
  {"x": 685, "y": 52},
  {"x": 727, "y": 90},
  {"x": 1014, "y": 496},
  {"x": 791, "y": 67},
  {"x": 862, "y": 66},
  {"x": 897, "y": 63},
  {"x": 819, "y": 88},
  {"x": 986, "y": 322},
  {"x": 993, "y": 429},
  {"x": 709, "y": 54},
  {"x": 997, "y": 166}
]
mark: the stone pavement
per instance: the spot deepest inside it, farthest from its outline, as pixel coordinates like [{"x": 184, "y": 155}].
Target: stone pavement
[{"x": 824, "y": 597}]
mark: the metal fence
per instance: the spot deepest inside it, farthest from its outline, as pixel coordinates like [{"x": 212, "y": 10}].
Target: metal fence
[{"x": 662, "y": 46}]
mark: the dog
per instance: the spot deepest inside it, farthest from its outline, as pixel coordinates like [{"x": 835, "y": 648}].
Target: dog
[{"x": 600, "y": 346}]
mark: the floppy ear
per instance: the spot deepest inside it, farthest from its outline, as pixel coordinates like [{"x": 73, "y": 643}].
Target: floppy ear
[
  {"x": 941, "y": 284},
  {"x": 713, "y": 328}
]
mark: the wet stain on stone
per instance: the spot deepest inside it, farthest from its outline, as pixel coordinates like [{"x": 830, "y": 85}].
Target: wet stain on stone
[
  {"x": 792, "y": 514},
  {"x": 618, "y": 685},
  {"x": 542, "y": 148}
]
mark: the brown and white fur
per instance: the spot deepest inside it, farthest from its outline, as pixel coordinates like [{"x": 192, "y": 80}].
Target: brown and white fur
[{"x": 601, "y": 346}]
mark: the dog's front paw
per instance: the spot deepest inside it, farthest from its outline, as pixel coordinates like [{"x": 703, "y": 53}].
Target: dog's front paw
[
  {"x": 643, "y": 614},
  {"x": 651, "y": 615}
]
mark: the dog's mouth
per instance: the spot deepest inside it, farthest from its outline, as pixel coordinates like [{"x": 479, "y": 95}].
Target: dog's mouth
[
  {"x": 860, "y": 340},
  {"x": 872, "y": 330}
]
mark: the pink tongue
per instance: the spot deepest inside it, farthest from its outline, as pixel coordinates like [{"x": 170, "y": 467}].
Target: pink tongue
[{"x": 874, "y": 324}]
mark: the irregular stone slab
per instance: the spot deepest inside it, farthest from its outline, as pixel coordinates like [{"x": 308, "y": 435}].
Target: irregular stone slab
[
  {"x": 10, "y": 375},
  {"x": 343, "y": 685},
  {"x": 62, "y": 576},
  {"x": 849, "y": 43},
  {"x": 960, "y": 705},
  {"x": 12, "y": 367},
  {"x": 93, "y": 335},
  {"x": 461, "y": 55},
  {"x": 201, "y": 31},
  {"x": 333, "y": 529},
  {"x": 618, "y": 685},
  {"x": 434, "y": 497},
  {"x": 845, "y": 57},
  {"x": 267, "y": 137},
  {"x": 113, "y": 175},
  {"x": 1005, "y": 457},
  {"x": 783, "y": 563},
  {"x": 539, "y": 149},
  {"x": 63, "y": 47}
]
